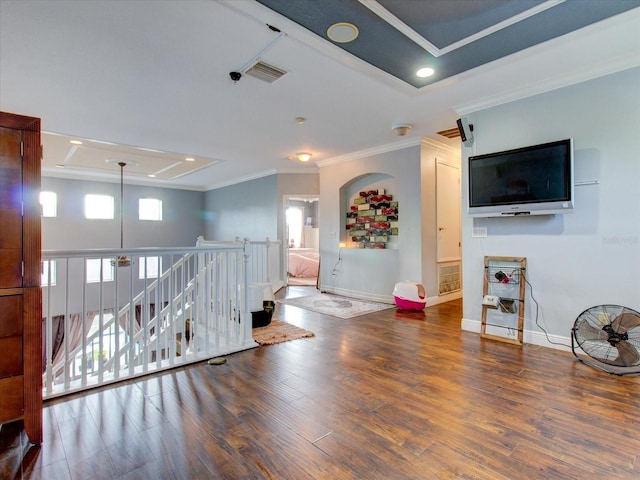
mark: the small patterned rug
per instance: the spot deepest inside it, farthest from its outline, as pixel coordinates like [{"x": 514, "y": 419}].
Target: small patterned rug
[
  {"x": 336, "y": 305},
  {"x": 278, "y": 332}
]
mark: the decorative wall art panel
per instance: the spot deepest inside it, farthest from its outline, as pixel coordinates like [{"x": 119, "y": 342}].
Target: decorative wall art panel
[{"x": 372, "y": 219}]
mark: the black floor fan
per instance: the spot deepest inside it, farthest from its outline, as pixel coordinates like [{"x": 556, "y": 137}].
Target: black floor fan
[{"x": 609, "y": 335}]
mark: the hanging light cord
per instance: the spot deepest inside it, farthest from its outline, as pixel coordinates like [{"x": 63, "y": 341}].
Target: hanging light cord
[{"x": 122, "y": 164}]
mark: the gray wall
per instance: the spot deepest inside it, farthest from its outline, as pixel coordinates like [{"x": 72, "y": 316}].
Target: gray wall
[
  {"x": 182, "y": 221},
  {"x": 255, "y": 209},
  {"x": 70, "y": 230},
  {"x": 578, "y": 260},
  {"x": 368, "y": 272},
  {"x": 245, "y": 210}
]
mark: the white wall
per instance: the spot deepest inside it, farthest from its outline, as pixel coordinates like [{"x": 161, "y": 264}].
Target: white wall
[{"x": 578, "y": 260}]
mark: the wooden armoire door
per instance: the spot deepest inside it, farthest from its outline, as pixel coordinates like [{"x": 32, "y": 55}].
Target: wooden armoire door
[{"x": 20, "y": 292}]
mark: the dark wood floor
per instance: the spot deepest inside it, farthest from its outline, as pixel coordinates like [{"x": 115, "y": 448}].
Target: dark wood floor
[{"x": 381, "y": 396}]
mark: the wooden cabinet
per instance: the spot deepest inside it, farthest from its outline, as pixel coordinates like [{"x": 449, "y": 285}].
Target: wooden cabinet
[{"x": 20, "y": 293}]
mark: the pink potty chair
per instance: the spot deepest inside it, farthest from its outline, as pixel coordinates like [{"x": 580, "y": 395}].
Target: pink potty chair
[{"x": 409, "y": 296}]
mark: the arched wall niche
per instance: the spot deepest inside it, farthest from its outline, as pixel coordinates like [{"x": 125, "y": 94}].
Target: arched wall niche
[{"x": 351, "y": 189}]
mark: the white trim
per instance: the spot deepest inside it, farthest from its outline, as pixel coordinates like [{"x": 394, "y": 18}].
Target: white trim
[
  {"x": 369, "y": 152},
  {"x": 402, "y": 27},
  {"x": 501, "y": 25},
  {"x": 529, "y": 336},
  {"x": 430, "y": 142},
  {"x": 447, "y": 297},
  {"x": 411, "y": 34},
  {"x": 246, "y": 178},
  {"x": 389, "y": 147},
  {"x": 159, "y": 183},
  {"x": 617, "y": 64},
  {"x": 375, "y": 297},
  {"x": 109, "y": 178},
  {"x": 255, "y": 176},
  {"x": 372, "y": 297}
]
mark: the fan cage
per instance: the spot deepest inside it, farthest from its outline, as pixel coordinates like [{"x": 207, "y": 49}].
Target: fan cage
[{"x": 607, "y": 344}]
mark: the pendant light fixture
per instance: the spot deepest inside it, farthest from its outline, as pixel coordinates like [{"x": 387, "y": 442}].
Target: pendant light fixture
[{"x": 122, "y": 260}]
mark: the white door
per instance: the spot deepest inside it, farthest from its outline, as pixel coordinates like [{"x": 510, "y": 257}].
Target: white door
[{"x": 448, "y": 198}]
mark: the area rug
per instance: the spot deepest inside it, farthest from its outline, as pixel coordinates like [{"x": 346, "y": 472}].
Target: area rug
[
  {"x": 335, "y": 305},
  {"x": 278, "y": 332}
]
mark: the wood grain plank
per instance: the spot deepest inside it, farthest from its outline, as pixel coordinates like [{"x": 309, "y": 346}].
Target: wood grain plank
[{"x": 381, "y": 396}]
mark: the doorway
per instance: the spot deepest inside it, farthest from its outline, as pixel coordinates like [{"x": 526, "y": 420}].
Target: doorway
[
  {"x": 448, "y": 214},
  {"x": 301, "y": 240}
]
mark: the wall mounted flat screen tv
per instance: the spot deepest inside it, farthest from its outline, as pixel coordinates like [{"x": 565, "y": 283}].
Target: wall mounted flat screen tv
[{"x": 533, "y": 180}]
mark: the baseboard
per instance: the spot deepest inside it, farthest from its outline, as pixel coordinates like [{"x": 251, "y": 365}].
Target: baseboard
[
  {"x": 388, "y": 298},
  {"x": 355, "y": 294},
  {"x": 443, "y": 298},
  {"x": 534, "y": 338}
]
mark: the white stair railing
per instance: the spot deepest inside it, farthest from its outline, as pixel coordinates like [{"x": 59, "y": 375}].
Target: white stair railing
[
  {"x": 123, "y": 316},
  {"x": 265, "y": 265},
  {"x": 184, "y": 313}
]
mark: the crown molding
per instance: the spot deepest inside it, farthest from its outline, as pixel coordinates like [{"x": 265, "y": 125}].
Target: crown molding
[
  {"x": 67, "y": 174},
  {"x": 262, "y": 174},
  {"x": 623, "y": 60},
  {"x": 369, "y": 152},
  {"x": 430, "y": 142},
  {"x": 615, "y": 65},
  {"x": 246, "y": 178},
  {"x": 410, "y": 33}
]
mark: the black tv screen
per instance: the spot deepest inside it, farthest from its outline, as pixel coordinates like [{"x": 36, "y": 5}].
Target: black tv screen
[{"x": 532, "y": 180}]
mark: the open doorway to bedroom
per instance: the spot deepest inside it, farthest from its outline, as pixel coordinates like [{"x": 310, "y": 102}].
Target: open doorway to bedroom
[{"x": 302, "y": 255}]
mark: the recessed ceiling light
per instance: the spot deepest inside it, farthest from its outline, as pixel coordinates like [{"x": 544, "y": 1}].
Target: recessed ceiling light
[
  {"x": 151, "y": 175},
  {"x": 343, "y": 32},
  {"x": 190, "y": 159},
  {"x": 75, "y": 142},
  {"x": 425, "y": 72},
  {"x": 59, "y": 165}
]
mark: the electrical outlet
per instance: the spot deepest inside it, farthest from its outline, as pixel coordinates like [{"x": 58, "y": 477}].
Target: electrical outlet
[{"x": 479, "y": 232}]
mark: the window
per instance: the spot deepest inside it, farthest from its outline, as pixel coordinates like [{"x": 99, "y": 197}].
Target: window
[
  {"x": 150, "y": 209},
  {"x": 44, "y": 276},
  {"x": 98, "y": 207},
  {"x": 93, "y": 270},
  {"x": 49, "y": 201},
  {"x": 294, "y": 224},
  {"x": 151, "y": 265}
]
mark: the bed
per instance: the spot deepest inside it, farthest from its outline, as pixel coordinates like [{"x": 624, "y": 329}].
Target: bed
[{"x": 303, "y": 262}]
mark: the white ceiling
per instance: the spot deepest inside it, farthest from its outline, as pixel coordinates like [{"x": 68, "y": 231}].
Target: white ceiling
[{"x": 155, "y": 75}]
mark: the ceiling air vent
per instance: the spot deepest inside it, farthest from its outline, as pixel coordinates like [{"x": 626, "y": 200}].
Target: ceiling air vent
[{"x": 265, "y": 72}]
